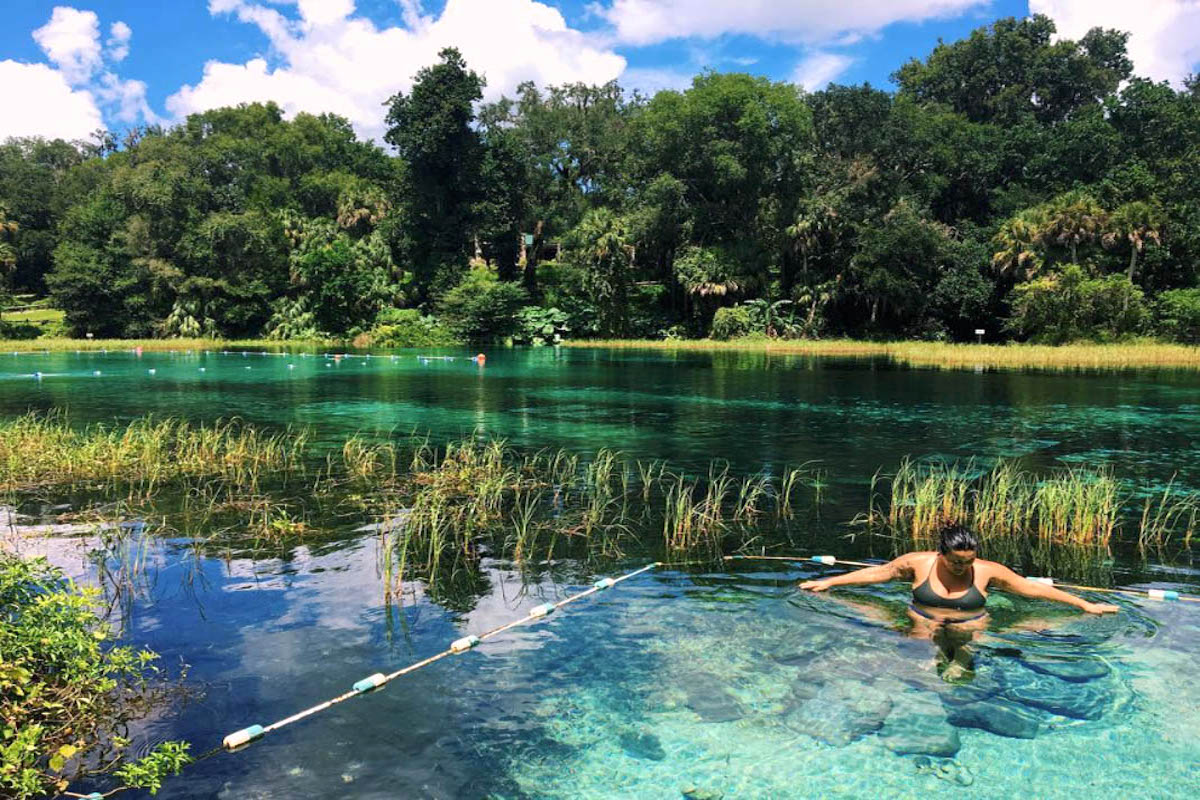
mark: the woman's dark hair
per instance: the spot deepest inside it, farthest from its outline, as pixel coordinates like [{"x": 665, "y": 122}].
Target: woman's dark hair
[{"x": 956, "y": 537}]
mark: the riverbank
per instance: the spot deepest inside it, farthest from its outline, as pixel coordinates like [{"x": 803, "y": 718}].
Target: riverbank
[
  {"x": 64, "y": 345},
  {"x": 1142, "y": 353}
]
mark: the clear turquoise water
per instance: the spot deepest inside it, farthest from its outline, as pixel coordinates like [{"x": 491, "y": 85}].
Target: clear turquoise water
[{"x": 727, "y": 683}]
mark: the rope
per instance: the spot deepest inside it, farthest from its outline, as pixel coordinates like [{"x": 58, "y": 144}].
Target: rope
[
  {"x": 240, "y": 738},
  {"x": 1154, "y": 594}
]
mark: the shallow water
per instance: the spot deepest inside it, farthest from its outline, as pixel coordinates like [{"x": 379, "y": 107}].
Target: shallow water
[{"x": 730, "y": 684}]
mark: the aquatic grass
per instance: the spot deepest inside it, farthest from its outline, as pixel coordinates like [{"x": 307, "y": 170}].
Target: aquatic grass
[
  {"x": 942, "y": 355},
  {"x": 1012, "y": 509},
  {"x": 1164, "y": 515},
  {"x": 45, "y": 450}
]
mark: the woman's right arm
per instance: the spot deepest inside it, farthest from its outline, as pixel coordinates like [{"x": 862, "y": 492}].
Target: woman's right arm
[{"x": 893, "y": 570}]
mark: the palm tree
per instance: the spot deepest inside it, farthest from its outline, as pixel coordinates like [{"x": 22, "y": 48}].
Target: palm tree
[
  {"x": 1073, "y": 219},
  {"x": 1020, "y": 241},
  {"x": 1136, "y": 223}
]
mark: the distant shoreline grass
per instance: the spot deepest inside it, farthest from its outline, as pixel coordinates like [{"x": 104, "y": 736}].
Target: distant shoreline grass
[
  {"x": 63, "y": 345},
  {"x": 942, "y": 355}
]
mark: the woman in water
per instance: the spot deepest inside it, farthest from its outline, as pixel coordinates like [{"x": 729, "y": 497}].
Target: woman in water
[{"x": 949, "y": 590}]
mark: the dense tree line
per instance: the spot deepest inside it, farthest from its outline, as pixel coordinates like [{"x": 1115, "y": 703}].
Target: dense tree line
[{"x": 1032, "y": 187}]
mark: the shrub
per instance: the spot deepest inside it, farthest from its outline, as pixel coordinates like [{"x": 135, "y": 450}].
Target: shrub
[
  {"x": 1178, "y": 314},
  {"x": 19, "y": 330},
  {"x": 732, "y": 322},
  {"x": 540, "y": 326},
  {"x": 64, "y": 697},
  {"x": 1068, "y": 306},
  {"x": 406, "y": 327},
  {"x": 482, "y": 307}
]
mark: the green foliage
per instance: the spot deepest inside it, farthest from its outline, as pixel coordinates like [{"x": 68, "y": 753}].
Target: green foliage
[
  {"x": 601, "y": 248},
  {"x": 1178, "y": 315},
  {"x": 482, "y": 308},
  {"x": 432, "y": 131},
  {"x": 1069, "y": 306},
  {"x": 64, "y": 696},
  {"x": 731, "y": 322},
  {"x": 291, "y": 319},
  {"x": 167, "y": 758},
  {"x": 406, "y": 327},
  {"x": 540, "y": 326},
  {"x": 875, "y": 214}
]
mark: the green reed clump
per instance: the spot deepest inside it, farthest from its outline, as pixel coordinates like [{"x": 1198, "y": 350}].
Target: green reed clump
[
  {"x": 1167, "y": 513},
  {"x": 1076, "y": 506},
  {"x": 45, "y": 450}
]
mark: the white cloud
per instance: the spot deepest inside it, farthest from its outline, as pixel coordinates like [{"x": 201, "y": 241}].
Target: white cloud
[
  {"x": 1164, "y": 41},
  {"x": 71, "y": 39},
  {"x": 44, "y": 104},
  {"x": 332, "y": 60},
  {"x": 643, "y": 22},
  {"x": 67, "y": 100},
  {"x": 119, "y": 35},
  {"x": 818, "y": 69}
]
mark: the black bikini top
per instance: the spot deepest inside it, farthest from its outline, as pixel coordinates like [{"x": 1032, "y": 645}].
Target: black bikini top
[{"x": 924, "y": 595}]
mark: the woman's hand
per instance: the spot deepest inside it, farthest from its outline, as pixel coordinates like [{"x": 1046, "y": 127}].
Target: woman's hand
[
  {"x": 816, "y": 586},
  {"x": 1101, "y": 608}
]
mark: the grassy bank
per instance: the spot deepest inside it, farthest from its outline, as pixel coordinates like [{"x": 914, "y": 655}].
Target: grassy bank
[
  {"x": 1144, "y": 353},
  {"x": 63, "y": 345}
]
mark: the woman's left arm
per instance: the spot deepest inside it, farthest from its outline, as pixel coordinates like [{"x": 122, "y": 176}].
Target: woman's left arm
[{"x": 1010, "y": 581}]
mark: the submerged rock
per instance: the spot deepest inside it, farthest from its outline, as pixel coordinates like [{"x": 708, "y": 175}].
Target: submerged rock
[
  {"x": 641, "y": 744},
  {"x": 947, "y": 770},
  {"x": 1067, "y": 699},
  {"x": 998, "y": 716},
  {"x": 918, "y": 726},
  {"x": 696, "y": 793},
  {"x": 840, "y": 712},
  {"x": 1075, "y": 670},
  {"x": 706, "y": 695}
]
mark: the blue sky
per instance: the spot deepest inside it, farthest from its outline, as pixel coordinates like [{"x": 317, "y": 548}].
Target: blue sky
[{"x": 70, "y": 68}]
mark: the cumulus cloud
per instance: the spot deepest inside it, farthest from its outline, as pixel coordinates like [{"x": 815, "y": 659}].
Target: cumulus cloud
[
  {"x": 818, "y": 69},
  {"x": 1164, "y": 40},
  {"x": 71, "y": 40},
  {"x": 45, "y": 103},
  {"x": 644, "y": 22},
  {"x": 330, "y": 59},
  {"x": 119, "y": 35},
  {"x": 68, "y": 100}
]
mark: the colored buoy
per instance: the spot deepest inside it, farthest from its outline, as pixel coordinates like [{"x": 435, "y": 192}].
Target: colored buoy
[
  {"x": 244, "y": 736},
  {"x": 464, "y": 644},
  {"x": 152, "y": 371},
  {"x": 202, "y": 369},
  {"x": 480, "y": 359},
  {"x": 545, "y": 609},
  {"x": 37, "y": 375},
  {"x": 1162, "y": 594},
  {"x": 604, "y": 583},
  {"x": 1047, "y": 581},
  {"x": 830, "y": 560},
  {"x": 95, "y": 372},
  {"x": 370, "y": 682}
]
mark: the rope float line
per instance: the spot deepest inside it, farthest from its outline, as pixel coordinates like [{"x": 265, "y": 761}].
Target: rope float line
[
  {"x": 240, "y": 738},
  {"x": 1150, "y": 594}
]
